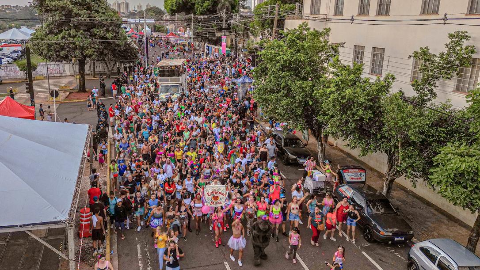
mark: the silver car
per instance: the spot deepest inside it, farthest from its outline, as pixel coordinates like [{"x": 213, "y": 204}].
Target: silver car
[{"x": 441, "y": 254}]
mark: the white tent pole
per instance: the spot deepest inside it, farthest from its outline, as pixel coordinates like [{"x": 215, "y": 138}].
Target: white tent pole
[{"x": 48, "y": 246}]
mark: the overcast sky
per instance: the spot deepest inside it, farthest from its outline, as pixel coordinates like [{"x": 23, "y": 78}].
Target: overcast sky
[{"x": 132, "y": 2}]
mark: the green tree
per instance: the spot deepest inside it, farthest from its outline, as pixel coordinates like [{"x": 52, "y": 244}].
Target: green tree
[
  {"x": 154, "y": 12},
  {"x": 456, "y": 171},
  {"x": 289, "y": 71},
  {"x": 80, "y": 30},
  {"x": 446, "y": 64},
  {"x": 263, "y": 15}
]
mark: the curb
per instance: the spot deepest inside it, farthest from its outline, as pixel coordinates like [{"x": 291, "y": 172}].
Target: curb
[{"x": 17, "y": 81}]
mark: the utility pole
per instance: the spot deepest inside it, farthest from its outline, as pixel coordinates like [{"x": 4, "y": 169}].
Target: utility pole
[
  {"x": 29, "y": 76},
  {"x": 236, "y": 36},
  {"x": 224, "y": 15},
  {"x": 145, "y": 36},
  {"x": 191, "y": 39},
  {"x": 275, "y": 21}
]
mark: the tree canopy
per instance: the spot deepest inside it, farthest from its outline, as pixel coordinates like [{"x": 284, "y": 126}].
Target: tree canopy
[
  {"x": 288, "y": 73},
  {"x": 74, "y": 29},
  {"x": 200, "y": 7}
]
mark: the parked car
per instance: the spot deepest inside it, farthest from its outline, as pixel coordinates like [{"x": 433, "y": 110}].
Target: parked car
[
  {"x": 443, "y": 254},
  {"x": 291, "y": 149},
  {"x": 7, "y": 60},
  {"x": 379, "y": 219}
]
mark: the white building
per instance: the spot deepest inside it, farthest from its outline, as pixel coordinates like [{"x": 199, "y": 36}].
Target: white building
[
  {"x": 256, "y": 2},
  {"x": 139, "y": 7},
  {"x": 124, "y": 7},
  {"x": 116, "y": 5},
  {"x": 382, "y": 34}
]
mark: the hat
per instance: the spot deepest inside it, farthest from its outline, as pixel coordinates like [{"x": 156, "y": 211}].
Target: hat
[
  {"x": 282, "y": 196},
  {"x": 95, "y": 198}
]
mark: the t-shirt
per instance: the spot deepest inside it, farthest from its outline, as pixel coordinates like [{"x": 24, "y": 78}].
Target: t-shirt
[
  {"x": 161, "y": 240},
  {"x": 173, "y": 255},
  {"x": 271, "y": 149},
  {"x": 92, "y": 193},
  {"x": 316, "y": 219}
]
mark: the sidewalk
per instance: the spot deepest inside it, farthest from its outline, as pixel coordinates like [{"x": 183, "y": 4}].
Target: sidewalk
[{"x": 427, "y": 220}]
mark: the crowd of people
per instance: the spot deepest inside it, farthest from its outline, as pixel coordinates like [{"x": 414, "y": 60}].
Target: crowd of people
[{"x": 168, "y": 151}]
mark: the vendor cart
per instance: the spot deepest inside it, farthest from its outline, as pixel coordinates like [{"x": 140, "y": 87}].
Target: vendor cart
[{"x": 317, "y": 183}]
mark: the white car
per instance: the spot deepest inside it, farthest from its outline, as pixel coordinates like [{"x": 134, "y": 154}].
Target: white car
[
  {"x": 441, "y": 254},
  {"x": 7, "y": 60}
]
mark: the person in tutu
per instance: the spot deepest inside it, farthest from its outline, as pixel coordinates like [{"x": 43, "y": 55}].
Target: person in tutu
[
  {"x": 237, "y": 241},
  {"x": 276, "y": 218}
]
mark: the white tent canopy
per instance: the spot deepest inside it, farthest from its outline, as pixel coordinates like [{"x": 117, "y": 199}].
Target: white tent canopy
[
  {"x": 14, "y": 34},
  {"x": 27, "y": 30},
  {"x": 39, "y": 168}
]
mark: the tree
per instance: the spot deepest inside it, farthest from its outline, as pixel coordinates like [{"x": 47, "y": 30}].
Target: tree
[
  {"x": 444, "y": 65},
  {"x": 77, "y": 30},
  {"x": 264, "y": 16},
  {"x": 200, "y": 7},
  {"x": 154, "y": 12},
  {"x": 287, "y": 75},
  {"x": 456, "y": 171}
]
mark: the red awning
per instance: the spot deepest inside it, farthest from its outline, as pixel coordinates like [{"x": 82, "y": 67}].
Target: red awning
[
  {"x": 171, "y": 34},
  {"x": 140, "y": 33},
  {"x": 9, "y": 107}
]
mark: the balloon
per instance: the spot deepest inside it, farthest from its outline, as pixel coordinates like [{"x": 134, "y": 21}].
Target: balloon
[{"x": 205, "y": 209}]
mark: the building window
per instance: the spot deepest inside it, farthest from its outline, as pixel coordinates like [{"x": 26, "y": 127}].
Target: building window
[
  {"x": 416, "y": 74},
  {"x": 315, "y": 7},
  {"x": 383, "y": 7},
  {"x": 377, "y": 61},
  {"x": 430, "y": 6},
  {"x": 358, "y": 53},
  {"x": 467, "y": 78},
  {"x": 339, "y": 8},
  {"x": 474, "y": 7},
  {"x": 364, "y": 7}
]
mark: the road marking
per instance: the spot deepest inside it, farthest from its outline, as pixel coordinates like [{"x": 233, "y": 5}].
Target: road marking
[
  {"x": 149, "y": 264},
  {"x": 139, "y": 252},
  {"x": 227, "y": 266},
  {"x": 302, "y": 263},
  {"x": 283, "y": 175},
  {"x": 372, "y": 261}
]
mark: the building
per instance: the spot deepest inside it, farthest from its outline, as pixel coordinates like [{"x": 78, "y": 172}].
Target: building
[
  {"x": 382, "y": 34},
  {"x": 139, "y": 7},
  {"x": 256, "y": 2},
  {"x": 147, "y": 6},
  {"x": 124, "y": 7},
  {"x": 116, "y": 6}
]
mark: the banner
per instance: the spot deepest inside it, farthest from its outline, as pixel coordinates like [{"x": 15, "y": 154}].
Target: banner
[
  {"x": 215, "y": 195},
  {"x": 224, "y": 45}
]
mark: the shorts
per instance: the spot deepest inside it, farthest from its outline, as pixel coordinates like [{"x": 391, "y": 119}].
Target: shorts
[
  {"x": 329, "y": 227},
  {"x": 97, "y": 234},
  {"x": 351, "y": 222},
  {"x": 293, "y": 217},
  {"x": 140, "y": 211},
  {"x": 120, "y": 224}
]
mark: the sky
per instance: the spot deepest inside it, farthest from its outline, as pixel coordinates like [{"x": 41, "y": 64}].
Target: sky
[{"x": 132, "y": 2}]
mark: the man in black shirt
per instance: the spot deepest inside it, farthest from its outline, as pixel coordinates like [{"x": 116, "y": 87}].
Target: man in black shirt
[{"x": 172, "y": 255}]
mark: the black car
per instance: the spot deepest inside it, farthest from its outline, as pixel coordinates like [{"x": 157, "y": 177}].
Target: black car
[
  {"x": 291, "y": 149},
  {"x": 379, "y": 220}
]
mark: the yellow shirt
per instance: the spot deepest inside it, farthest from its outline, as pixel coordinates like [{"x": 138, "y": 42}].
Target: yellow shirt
[
  {"x": 192, "y": 154},
  {"x": 178, "y": 154},
  {"x": 161, "y": 240}
]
